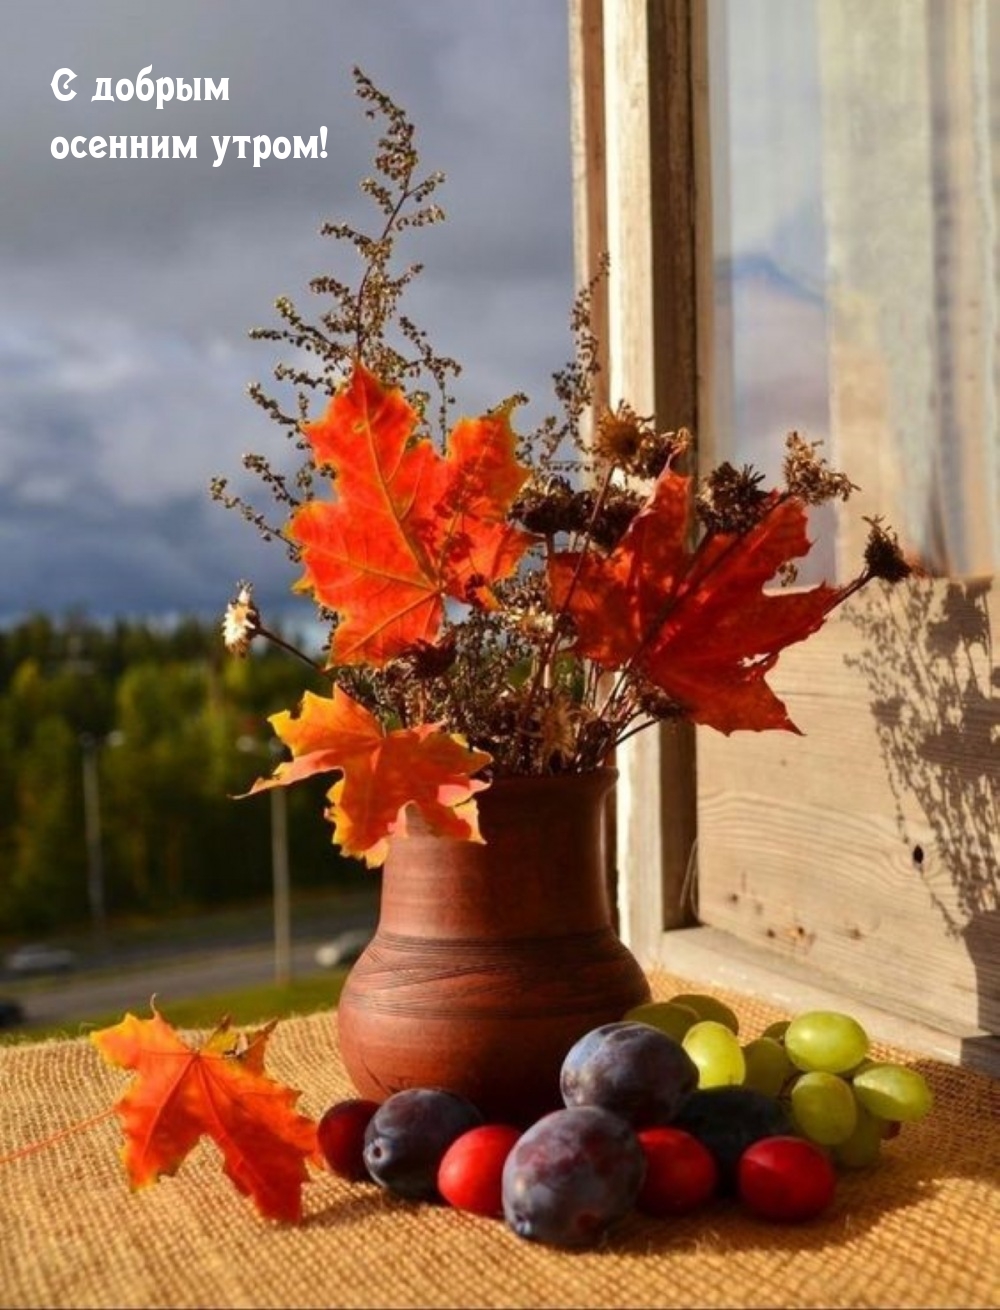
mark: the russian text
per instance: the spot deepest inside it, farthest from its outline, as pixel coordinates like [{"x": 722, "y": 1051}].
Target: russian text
[
  {"x": 60, "y": 81},
  {"x": 264, "y": 147},
  {"x": 162, "y": 89},
  {"x": 124, "y": 147}
]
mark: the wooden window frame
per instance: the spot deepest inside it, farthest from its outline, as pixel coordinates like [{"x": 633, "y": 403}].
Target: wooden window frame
[
  {"x": 640, "y": 129},
  {"x": 635, "y": 67}
]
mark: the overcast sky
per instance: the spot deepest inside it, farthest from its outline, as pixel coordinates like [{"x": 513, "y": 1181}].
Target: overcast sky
[{"x": 128, "y": 287}]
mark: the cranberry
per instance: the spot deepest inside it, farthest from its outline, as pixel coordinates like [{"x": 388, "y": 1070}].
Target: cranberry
[
  {"x": 341, "y": 1137},
  {"x": 786, "y": 1178},
  {"x": 470, "y": 1174},
  {"x": 681, "y": 1173}
]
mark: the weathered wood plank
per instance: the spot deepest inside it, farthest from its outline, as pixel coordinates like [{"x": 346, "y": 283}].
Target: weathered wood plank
[{"x": 870, "y": 846}]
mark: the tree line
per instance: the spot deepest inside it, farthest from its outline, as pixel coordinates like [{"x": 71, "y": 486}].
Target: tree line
[{"x": 171, "y": 728}]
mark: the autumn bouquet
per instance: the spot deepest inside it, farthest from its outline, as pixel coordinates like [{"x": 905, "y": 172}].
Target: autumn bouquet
[{"x": 501, "y": 602}]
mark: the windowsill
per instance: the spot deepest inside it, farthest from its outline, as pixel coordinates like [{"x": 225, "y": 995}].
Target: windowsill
[{"x": 718, "y": 959}]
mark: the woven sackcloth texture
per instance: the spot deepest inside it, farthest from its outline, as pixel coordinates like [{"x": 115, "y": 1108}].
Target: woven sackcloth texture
[{"x": 922, "y": 1229}]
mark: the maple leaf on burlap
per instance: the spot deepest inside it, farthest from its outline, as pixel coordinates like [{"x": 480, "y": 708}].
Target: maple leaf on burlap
[
  {"x": 697, "y": 623},
  {"x": 383, "y": 773},
  {"x": 408, "y": 526},
  {"x": 220, "y": 1090}
]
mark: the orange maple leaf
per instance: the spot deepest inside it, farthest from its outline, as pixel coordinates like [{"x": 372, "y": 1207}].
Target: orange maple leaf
[
  {"x": 409, "y": 526},
  {"x": 697, "y": 623},
  {"x": 219, "y": 1090},
  {"x": 383, "y": 773}
]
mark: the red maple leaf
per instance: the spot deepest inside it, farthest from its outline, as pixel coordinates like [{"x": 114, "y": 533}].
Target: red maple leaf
[
  {"x": 408, "y": 526},
  {"x": 220, "y": 1090},
  {"x": 383, "y": 773},
  {"x": 696, "y": 622}
]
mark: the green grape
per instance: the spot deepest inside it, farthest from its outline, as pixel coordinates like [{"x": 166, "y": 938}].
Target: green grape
[
  {"x": 864, "y": 1144},
  {"x": 708, "y": 1007},
  {"x": 824, "y": 1108},
  {"x": 768, "y": 1067},
  {"x": 716, "y": 1051},
  {"x": 670, "y": 1017},
  {"x": 892, "y": 1091},
  {"x": 825, "y": 1040},
  {"x": 777, "y": 1029}
]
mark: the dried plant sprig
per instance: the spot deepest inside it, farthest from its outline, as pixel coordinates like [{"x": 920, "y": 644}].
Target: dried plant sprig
[
  {"x": 364, "y": 321},
  {"x": 557, "y": 444}
]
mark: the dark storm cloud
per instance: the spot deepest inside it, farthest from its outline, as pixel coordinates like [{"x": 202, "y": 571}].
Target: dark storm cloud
[{"x": 129, "y": 285}]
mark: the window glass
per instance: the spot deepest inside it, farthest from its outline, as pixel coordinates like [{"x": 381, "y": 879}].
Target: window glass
[{"x": 855, "y": 190}]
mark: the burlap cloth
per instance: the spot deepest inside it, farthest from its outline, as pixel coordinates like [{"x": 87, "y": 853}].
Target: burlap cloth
[{"x": 923, "y": 1229}]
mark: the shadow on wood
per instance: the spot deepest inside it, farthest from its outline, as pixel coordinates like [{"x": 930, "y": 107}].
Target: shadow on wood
[{"x": 935, "y": 697}]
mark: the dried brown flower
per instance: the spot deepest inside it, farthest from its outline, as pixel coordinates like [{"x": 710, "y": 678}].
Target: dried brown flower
[
  {"x": 632, "y": 444},
  {"x": 731, "y": 499},
  {"x": 883, "y": 556}
]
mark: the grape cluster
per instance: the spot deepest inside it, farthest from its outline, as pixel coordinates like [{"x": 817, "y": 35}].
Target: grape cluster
[
  {"x": 663, "y": 1110},
  {"x": 816, "y": 1067}
]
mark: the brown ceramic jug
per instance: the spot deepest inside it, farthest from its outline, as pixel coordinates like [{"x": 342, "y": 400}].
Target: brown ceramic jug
[{"x": 490, "y": 959}]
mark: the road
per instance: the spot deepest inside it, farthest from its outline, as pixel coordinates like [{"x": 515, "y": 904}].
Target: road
[{"x": 81, "y": 996}]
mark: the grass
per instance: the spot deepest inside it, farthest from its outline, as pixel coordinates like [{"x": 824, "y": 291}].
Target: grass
[{"x": 248, "y": 1006}]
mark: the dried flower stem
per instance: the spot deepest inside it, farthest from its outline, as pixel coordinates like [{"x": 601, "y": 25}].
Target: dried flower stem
[{"x": 548, "y": 649}]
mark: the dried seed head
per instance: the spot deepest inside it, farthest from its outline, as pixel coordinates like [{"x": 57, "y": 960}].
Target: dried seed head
[
  {"x": 809, "y": 477},
  {"x": 533, "y": 621},
  {"x": 609, "y": 525},
  {"x": 883, "y": 556},
  {"x": 546, "y": 510},
  {"x": 558, "y": 730},
  {"x": 428, "y": 659},
  {"x": 241, "y": 622},
  {"x": 655, "y": 702}
]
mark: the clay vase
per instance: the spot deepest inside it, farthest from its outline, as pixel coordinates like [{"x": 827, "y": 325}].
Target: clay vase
[{"x": 490, "y": 960}]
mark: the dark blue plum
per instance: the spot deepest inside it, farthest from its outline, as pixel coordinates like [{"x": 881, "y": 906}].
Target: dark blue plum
[
  {"x": 729, "y": 1119},
  {"x": 630, "y": 1068},
  {"x": 571, "y": 1175},
  {"x": 409, "y": 1133}
]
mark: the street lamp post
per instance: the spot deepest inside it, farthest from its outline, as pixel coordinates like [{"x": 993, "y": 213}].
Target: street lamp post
[
  {"x": 93, "y": 837},
  {"x": 280, "y": 873},
  {"x": 281, "y": 888}
]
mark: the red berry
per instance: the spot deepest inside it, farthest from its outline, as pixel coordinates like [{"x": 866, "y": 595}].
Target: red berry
[
  {"x": 786, "y": 1178},
  {"x": 681, "y": 1173},
  {"x": 470, "y": 1175},
  {"x": 341, "y": 1137}
]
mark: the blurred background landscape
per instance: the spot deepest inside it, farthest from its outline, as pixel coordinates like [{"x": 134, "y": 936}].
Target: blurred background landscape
[
  {"x": 122, "y": 747},
  {"x": 130, "y": 287}
]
